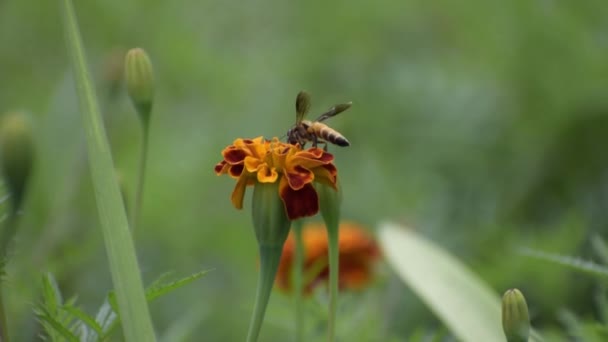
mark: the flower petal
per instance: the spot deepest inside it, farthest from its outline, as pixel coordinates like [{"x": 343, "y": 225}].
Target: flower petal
[
  {"x": 252, "y": 164},
  {"x": 239, "y": 192},
  {"x": 326, "y": 174},
  {"x": 221, "y": 168},
  {"x": 299, "y": 203},
  {"x": 235, "y": 171},
  {"x": 267, "y": 175},
  {"x": 298, "y": 177},
  {"x": 234, "y": 156},
  {"x": 310, "y": 160}
]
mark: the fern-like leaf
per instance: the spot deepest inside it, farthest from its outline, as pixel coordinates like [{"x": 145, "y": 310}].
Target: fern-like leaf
[{"x": 575, "y": 263}]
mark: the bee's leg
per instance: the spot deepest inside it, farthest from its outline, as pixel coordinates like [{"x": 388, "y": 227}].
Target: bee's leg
[{"x": 314, "y": 140}]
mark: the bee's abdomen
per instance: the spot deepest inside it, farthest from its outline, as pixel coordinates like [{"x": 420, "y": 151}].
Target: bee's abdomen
[{"x": 329, "y": 134}]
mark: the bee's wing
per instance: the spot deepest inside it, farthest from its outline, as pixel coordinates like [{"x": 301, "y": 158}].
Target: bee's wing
[
  {"x": 335, "y": 110},
  {"x": 302, "y": 105}
]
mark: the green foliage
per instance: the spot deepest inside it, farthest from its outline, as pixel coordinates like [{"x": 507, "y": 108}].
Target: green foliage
[
  {"x": 65, "y": 321},
  {"x": 576, "y": 263},
  {"x": 456, "y": 295},
  {"x": 119, "y": 244},
  {"x": 481, "y": 123}
]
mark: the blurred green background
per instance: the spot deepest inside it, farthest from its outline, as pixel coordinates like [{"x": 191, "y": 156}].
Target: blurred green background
[{"x": 483, "y": 124}]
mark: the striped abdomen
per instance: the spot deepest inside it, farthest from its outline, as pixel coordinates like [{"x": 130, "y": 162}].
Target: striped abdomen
[{"x": 326, "y": 133}]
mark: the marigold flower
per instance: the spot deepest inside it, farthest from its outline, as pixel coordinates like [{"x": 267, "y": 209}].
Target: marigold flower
[
  {"x": 358, "y": 252},
  {"x": 258, "y": 160}
]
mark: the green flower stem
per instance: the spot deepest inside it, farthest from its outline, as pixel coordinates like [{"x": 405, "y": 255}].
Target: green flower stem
[
  {"x": 269, "y": 263},
  {"x": 334, "y": 264},
  {"x": 8, "y": 231},
  {"x": 298, "y": 271},
  {"x": 330, "y": 201},
  {"x": 134, "y": 314},
  {"x": 6, "y": 235},
  {"x": 3, "y": 321},
  {"x": 141, "y": 176}
]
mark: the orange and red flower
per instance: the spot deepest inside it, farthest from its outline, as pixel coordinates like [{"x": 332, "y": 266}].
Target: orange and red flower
[
  {"x": 258, "y": 160},
  {"x": 358, "y": 252}
]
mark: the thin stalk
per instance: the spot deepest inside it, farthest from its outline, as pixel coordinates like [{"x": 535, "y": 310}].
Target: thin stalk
[
  {"x": 140, "y": 180},
  {"x": 10, "y": 226},
  {"x": 298, "y": 277},
  {"x": 3, "y": 321},
  {"x": 269, "y": 263},
  {"x": 134, "y": 313},
  {"x": 7, "y": 234},
  {"x": 334, "y": 262}
]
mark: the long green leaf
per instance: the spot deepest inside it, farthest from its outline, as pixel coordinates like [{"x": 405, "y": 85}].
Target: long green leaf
[
  {"x": 465, "y": 304},
  {"x": 137, "y": 325}
]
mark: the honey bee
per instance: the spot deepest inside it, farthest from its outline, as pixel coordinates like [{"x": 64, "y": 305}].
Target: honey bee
[{"x": 315, "y": 131}]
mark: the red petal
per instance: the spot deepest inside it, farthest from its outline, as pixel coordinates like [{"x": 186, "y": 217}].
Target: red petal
[
  {"x": 298, "y": 177},
  {"x": 236, "y": 170},
  {"x": 221, "y": 167},
  {"x": 233, "y": 156},
  {"x": 317, "y": 154},
  {"x": 299, "y": 203}
]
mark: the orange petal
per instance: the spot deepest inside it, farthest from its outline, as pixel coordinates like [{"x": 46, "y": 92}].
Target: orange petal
[
  {"x": 239, "y": 192},
  {"x": 299, "y": 203},
  {"x": 267, "y": 175},
  {"x": 316, "y": 154},
  {"x": 298, "y": 177},
  {"x": 252, "y": 164},
  {"x": 354, "y": 276},
  {"x": 326, "y": 172}
]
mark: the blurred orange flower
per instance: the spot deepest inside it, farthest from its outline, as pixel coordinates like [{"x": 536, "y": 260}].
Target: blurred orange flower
[
  {"x": 358, "y": 252},
  {"x": 258, "y": 160}
]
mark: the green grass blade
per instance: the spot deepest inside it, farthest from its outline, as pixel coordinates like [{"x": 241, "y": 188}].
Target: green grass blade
[
  {"x": 574, "y": 263},
  {"x": 465, "y": 304},
  {"x": 137, "y": 325}
]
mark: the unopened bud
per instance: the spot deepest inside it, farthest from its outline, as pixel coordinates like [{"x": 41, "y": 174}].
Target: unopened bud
[
  {"x": 515, "y": 317},
  {"x": 330, "y": 199},
  {"x": 16, "y": 154},
  {"x": 140, "y": 81}
]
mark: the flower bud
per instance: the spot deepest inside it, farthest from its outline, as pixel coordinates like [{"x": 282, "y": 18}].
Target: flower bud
[
  {"x": 515, "y": 317},
  {"x": 140, "y": 81},
  {"x": 330, "y": 199},
  {"x": 16, "y": 154},
  {"x": 269, "y": 216}
]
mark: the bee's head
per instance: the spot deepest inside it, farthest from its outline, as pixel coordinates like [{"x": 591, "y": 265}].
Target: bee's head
[{"x": 291, "y": 136}]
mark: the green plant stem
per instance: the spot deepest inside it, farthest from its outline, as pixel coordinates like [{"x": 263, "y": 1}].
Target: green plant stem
[
  {"x": 3, "y": 321},
  {"x": 334, "y": 262},
  {"x": 6, "y": 235},
  {"x": 269, "y": 263},
  {"x": 140, "y": 180},
  {"x": 8, "y": 231},
  {"x": 134, "y": 313},
  {"x": 298, "y": 271}
]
